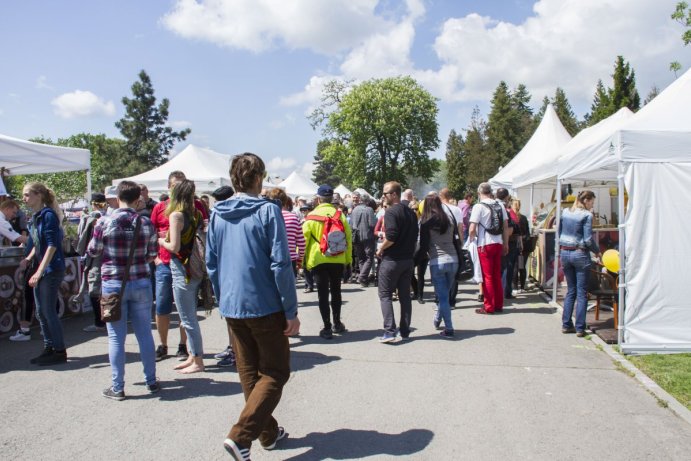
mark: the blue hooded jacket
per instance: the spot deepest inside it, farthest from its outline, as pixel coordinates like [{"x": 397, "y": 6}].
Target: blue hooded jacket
[
  {"x": 248, "y": 261},
  {"x": 45, "y": 225}
]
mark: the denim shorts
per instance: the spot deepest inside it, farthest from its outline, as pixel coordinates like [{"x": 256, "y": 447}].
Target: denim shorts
[{"x": 164, "y": 290}]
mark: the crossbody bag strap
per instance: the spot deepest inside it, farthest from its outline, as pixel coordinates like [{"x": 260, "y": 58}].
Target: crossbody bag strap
[{"x": 131, "y": 254}]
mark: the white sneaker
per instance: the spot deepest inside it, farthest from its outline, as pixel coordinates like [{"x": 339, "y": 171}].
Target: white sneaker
[
  {"x": 93, "y": 329},
  {"x": 21, "y": 336}
]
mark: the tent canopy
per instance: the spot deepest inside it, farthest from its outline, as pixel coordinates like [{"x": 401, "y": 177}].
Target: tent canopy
[
  {"x": 549, "y": 137},
  {"x": 208, "y": 170},
  {"x": 26, "y": 157},
  {"x": 343, "y": 190},
  {"x": 295, "y": 185},
  {"x": 546, "y": 170}
]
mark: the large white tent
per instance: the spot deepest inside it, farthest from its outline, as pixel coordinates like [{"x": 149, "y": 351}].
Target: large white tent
[
  {"x": 650, "y": 156},
  {"x": 343, "y": 190},
  {"x": 208, "y": 170},
  {"x": 296, "y": 184},
  {"x": 26, "y": 157},
  {"x": 549, "y": 137}
]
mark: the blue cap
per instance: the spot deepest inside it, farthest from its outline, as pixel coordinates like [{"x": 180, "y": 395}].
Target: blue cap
[{"x": 325, "y": 191}]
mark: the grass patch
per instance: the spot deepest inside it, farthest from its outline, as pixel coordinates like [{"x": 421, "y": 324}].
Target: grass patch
[
  {"x": 672, "y": 372},
  {"x": 618, "y": 365}
]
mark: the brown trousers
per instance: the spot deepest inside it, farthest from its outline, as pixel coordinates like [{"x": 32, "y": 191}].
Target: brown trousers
[{"x": 263, "y": 364}]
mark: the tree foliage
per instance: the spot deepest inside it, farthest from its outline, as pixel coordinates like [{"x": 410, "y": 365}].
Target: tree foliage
[
  {"x": 380, "y": 130},
  {"x": 324, "y": 169},
  {"x": 624, "y": 93},
  {"x": 456, "y": 168},
  {"x": 481, "y": 161},
  {"x": 682, "y": 14},
  {"x": 510, "y": 124},
  {"x": 148, "y": 139},
  {"x": 564, "y": 111}
]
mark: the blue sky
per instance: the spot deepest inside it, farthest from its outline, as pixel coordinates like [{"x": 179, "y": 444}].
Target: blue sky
[{"x": 242, "y": 74}]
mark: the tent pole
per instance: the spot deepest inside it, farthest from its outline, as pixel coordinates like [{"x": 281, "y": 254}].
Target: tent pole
[
  {"x": 88, "y": 188},
  {"x": 532, "y": 206},
  {"x": 555, "y": 283},
  {"x": 622, "y": 246}
]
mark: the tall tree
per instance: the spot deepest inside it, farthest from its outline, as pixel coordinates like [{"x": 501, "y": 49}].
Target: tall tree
[
  {"x": 682, "y": 14},
  {"x": 149, "y": 140},
  {"x": 323, "y": 168},
  {"x": 562, "y": 107},
  {"x": 380, "y": 130},
  {"x": 455, "y": 164},
  {"x": 482, "y": 162},
  {"x": 510, "y": 124},
  {"x": 600, "y": 108},
  {"x": 623, "y": 94}
]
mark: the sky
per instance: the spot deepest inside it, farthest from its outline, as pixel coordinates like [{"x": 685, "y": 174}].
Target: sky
[{"x": 244, "y": 74}]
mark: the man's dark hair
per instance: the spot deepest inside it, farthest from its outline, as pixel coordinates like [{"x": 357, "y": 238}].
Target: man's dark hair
[
  {"x": 468, "y": 196},
  {"x": 244, "y": 171},
  {"x": 128, "y": 191},
  {"x": 502, "y": 193}
]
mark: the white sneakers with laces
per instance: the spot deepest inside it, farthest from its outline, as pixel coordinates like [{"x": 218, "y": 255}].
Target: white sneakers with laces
[{"x": 21, "y": 335}]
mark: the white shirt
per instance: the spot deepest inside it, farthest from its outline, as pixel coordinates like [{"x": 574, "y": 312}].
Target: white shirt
[
  {"x": 482, "y": 216},
  {"x": 453, "y": 212},
  {"x": 6, "y": 229}
]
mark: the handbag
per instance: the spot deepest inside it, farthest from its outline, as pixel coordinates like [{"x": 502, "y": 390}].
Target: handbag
[
  {"x": 465, "y": 264},
  {"x": 111, "y": 304}
]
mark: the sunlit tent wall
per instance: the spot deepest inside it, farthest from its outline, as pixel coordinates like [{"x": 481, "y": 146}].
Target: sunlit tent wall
[
  {"x": 296, "y": 184},
  {"x": 26, "y": 157},
  {"x": 650, "y": 156}
]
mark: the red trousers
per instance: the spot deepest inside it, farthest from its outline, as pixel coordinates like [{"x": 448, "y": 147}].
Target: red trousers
[{"x": 490, "y": 261}]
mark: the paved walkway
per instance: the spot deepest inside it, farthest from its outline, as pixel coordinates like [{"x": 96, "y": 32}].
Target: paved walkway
[{"x": 509, "y": 386}]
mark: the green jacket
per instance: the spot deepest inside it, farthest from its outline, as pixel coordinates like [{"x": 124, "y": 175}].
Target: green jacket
[{"x": 312, "y": 231}]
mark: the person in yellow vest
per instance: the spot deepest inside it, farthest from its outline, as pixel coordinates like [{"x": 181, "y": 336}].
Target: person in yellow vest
[{"x": 328, "y": 250}]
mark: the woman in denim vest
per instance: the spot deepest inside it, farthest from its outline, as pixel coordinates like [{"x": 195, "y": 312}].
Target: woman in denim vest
[
  {"x": 575, "y": 243},
  {"x": 185, "y": 220}
]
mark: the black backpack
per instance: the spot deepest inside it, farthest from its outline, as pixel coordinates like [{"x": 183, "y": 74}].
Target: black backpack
[{"x": 496, "y": 222}]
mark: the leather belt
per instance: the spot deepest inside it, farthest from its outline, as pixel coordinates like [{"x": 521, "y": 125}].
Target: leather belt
[{"x": 568, "y": 248}]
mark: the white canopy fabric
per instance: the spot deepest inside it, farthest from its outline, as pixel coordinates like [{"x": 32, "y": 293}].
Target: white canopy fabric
[
  {"x": 362, "y": 191},
  {"x": 549, "y": 137},
  {"x": 26, "y": 157},
  {"x": 208, "y": 170},
  {"x": 545, "y": 171},
  {"x": 343, "y": 190},
  {"x": 295, "y": 185}
]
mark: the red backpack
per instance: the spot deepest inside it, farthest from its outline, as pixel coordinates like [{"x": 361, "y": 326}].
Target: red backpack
[{"x": 333, "y": 240}]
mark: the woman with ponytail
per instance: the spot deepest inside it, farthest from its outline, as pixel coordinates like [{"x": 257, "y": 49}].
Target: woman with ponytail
[
  {"x": 575, "y": 244},
  {"x": 45, "y": 254}
]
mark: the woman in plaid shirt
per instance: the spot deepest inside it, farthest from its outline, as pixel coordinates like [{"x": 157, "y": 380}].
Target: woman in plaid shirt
[{"x": 112, "y": 237}]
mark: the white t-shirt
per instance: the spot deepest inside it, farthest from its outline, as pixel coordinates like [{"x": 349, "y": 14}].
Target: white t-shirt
[
  {"x": 453, "y": 212},
  {"x": 482, "y": 216},
  {"x": 6, "y": 229}
]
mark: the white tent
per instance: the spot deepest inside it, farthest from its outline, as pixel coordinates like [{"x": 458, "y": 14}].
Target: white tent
[
  {"x": 26, "y": 157},
  {"x": 208, "y": 170},
  {"x": 650, "y": 155},
  {"x": 295, "y": 185},
  {"x": 549, "y": 136},
  {"x": 343, "y": 190},
  {"x": 544, "y": 172},
  {"x": 362, "y": 191}
]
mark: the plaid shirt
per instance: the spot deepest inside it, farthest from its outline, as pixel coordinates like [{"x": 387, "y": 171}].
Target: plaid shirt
[{"x": 111, "y": 238}]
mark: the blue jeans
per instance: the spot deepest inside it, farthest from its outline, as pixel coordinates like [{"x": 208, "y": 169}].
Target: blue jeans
[
  {"x": 164, "y": 290},
  {"x": 185, "y": 294},
  {"x": 443, "y": 275},
  {"x": 46, "y": 296},
  {"x": 576, "y": 264},
  {"x": 136, "y": 306}
]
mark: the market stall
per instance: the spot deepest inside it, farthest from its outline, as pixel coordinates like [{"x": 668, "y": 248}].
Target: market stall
[{"x": 18, "y": 156}]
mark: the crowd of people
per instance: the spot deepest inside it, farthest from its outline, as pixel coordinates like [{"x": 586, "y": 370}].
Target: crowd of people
[{"x": 155, "y": 257}]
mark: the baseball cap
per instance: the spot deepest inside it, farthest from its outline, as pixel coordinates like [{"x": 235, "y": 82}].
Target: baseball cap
[
  {"x": 111, "y": 192},
  {"x": 325, "y": 191},
  {"x": 98, "y": 197},
  {"x": 222, "y": 193}
]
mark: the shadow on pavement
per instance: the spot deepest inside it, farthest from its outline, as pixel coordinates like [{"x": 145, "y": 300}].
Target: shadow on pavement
[
  {"x": 530, "y": 310},
  {"x": 189, "y": 388},
  {"x": 356, "y": 444},
  {"x": 347, "y": 337},
  {"x": 307, "y": 360}
]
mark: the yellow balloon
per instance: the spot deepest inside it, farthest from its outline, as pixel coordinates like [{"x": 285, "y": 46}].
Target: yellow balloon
[{"x": 610, "y": 259}]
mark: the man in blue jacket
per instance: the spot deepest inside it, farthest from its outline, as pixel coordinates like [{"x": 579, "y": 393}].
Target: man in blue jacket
[{"x": 249, "y": 265}]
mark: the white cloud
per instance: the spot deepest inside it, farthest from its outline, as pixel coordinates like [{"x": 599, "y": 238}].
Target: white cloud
[
  {"x": 280, "y": 166},
  {"x": 179, "y": 124},
  {"x": 82, "y": 104},
  {"x": 307, "y": 169},
  {"x": 325, "y": 27},
  {"x": 566, "y": 43},
  {"x": 42, "y": 83}
]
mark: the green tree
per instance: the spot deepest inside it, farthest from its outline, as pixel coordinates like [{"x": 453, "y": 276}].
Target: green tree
[
  {"x": 455, "y": 164},
  {"x": 324, "y": 169},
  {"x": 564, "y": 111},
  {"x": 624, "y": 93},
  {"x": 148, "y": 139},
  {"x": 654, "y": 91},
  {"x": 600, "y": 108},
  {"x": 510, "y": 123},
  {"x": 482, "y": 162},
  {"x": 682, "y": 14},
  {"x": 380, "y": 130}
]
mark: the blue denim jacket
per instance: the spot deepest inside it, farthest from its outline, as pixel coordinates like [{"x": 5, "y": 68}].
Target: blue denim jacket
[
  {"x": 576, "y": 230},
  {"x": 45, "y": 231}
]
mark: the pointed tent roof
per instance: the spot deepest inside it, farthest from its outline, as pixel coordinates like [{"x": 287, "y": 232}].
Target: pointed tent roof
[
  {"x": 549, "y": 136},
  {"x": 295, "y": 185},
  {"x": 343, "y": 190},
  {"x": 208, "y": 170},
  {"x": 546, "y": 170}
]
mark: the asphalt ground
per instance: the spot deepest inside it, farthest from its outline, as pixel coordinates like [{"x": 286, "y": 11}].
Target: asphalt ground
[{"x": 508, "y": 386}]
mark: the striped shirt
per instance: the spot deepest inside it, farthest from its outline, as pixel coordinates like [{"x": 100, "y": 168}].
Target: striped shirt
[
  {"x": 296, "y": 240},
  {"x": 112, "y": 238}
]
